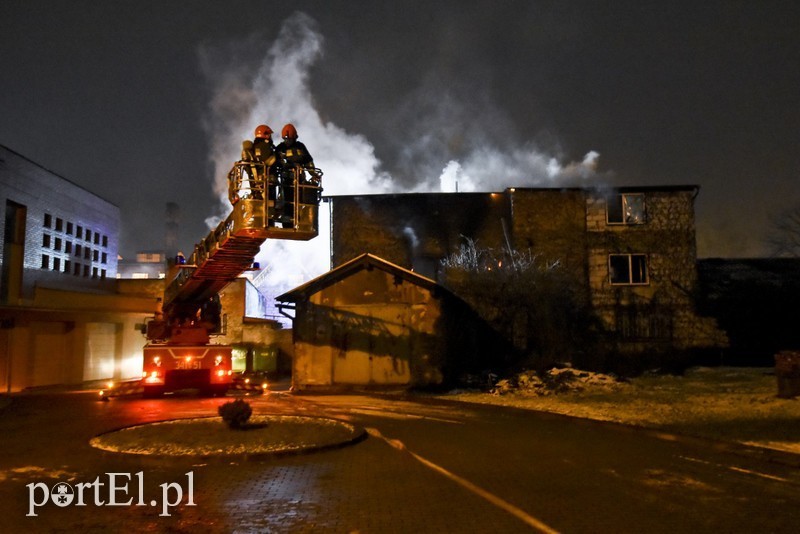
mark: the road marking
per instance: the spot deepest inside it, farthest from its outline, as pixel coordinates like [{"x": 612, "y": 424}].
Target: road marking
[
  {"x": 738, "y": 469},
  {"x": 492, "y": 498}
]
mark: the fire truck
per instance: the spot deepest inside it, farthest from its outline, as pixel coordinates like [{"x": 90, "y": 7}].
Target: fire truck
[{"x": 268, "y": 203}]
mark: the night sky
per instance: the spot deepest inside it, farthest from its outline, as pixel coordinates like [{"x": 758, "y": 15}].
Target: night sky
[{"x": 147, "y": 102}]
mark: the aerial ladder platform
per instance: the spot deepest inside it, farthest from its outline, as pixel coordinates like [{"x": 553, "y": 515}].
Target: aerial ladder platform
[{"x": 268, "y": 203}]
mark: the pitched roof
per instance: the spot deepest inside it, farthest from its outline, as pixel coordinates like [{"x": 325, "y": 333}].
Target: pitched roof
[{"x": 359, "y": 263}]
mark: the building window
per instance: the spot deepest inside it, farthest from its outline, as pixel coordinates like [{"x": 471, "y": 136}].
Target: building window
[
  {"x": 94, "y": 272},
  {"x": 628, "y": 269},
  {"x": 86, "y": 271},
  {"x": 46, "y": 240},
  {"x": 626, "y": 208},
  {"x": 79, "y": 232},
  {"x": 139, "y": 276},
  {"x": 59, "y": 224},
  {"x": 95, "y": 255},
  {"x": 96, "y": 238},
  {"x": 103, "y": 274},
  {"x": 57, "y": 244},
  {"x": 87, "y": 253},
  {"x": 69, "y": 228},
  {"x": 76, "y": 269},
  {"x": 57, "y": 264},
  {"x": 105, "y": 241},
  {"x": 68, "y": 247},
  {"x": 48, "y": 220},
  {"x": 45, "y": 261},
  {"x": 78, "y": 249},
  {"x": 88, "y": 236},
  {"x": 104, "y": 258},
  {"x": 67, "y": 266}
]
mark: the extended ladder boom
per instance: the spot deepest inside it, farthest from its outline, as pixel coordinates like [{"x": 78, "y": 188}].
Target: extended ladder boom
[{"x": 265, "y": 205}]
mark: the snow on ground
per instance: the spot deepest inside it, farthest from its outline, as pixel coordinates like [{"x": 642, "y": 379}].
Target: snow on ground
[{"x": 731, "y": 404}]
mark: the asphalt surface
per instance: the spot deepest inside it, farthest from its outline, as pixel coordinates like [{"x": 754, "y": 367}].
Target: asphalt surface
[{"x": 428, "y": 465}]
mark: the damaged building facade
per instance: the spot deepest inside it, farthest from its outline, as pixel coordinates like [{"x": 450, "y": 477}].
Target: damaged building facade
[{"x": 630, "y": 251}]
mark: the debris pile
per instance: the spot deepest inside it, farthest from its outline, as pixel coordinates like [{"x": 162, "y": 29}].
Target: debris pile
[{"x": 555, "y": 381}]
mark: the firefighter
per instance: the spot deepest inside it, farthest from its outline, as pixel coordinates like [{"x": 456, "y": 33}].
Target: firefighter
[
  {"x": 264, "y": 152},
  {"x": 296, "y": 161},
  {"x": 293, "y": 153}
]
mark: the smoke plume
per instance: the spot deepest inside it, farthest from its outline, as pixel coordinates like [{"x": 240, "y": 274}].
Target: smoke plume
[{"x": 248, "y": 90}]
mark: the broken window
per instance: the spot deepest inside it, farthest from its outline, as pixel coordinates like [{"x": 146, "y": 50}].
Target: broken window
[
  {"x": 626, "y": 208},
  {"x": 628, "y": 269}
]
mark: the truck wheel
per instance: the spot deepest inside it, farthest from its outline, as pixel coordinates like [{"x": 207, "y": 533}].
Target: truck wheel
[
  {"x": 152, "y": 392},
  {"x": 215, "y": 391}
]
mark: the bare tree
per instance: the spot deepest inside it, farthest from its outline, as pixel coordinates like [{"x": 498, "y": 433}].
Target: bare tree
[{"x": 784, "y": 236}]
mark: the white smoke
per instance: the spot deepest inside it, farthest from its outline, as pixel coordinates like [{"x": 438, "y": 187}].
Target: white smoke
[{"x": 276, "y": 91}]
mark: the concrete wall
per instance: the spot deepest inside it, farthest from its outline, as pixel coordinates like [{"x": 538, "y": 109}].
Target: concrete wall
[
  {"x": 371, "y": 328},
  {"x": 55, "y": 209}
]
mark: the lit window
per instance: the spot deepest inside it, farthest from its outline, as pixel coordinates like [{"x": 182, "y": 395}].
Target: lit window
[
  {"x": 628, "y": 269},
  {"x": 626, "y": 209},
  {"x": 139, "y": 276}
]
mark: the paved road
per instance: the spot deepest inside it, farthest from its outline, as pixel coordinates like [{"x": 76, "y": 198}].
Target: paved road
[{"x": 427, "y": 466}]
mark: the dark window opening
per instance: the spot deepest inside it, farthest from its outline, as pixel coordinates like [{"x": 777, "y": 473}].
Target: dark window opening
[
  {"x": 45, "y": 261},
  {"x": 46, "y": 240},
  {"x": 57, "y": 245},
  {"x": 59, "y": 224},
  {"x": 105, "y": 241},
  {"x": 57, "y": 264},
  {"x": 628, "y": 269},
  {"x": 69, "y": 228},
  {"x": 48, "y": 220}
]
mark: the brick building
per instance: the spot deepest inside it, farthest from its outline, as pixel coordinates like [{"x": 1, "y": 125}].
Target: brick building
[{"x": 630, "y": 250}]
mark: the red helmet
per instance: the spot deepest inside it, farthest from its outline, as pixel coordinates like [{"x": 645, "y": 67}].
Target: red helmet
[
  {"x": 289, "y": 131},
  {"x": 263, "y": 131}
]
